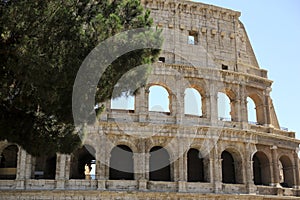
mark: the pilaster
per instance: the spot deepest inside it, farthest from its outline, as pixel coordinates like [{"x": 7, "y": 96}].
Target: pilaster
[
  {"x": 217, "y": 171},
  {"x": 275, "y": 166},
  {"x": 24, "y": 167},
  {"x": 63, "y": 162}
]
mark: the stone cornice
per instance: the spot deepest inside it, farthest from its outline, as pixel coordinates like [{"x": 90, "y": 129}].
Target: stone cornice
[
  {"x": 231, "y": 76},
  {"x": 190, "y": 7},
  {"x": 221, "y": 132}
]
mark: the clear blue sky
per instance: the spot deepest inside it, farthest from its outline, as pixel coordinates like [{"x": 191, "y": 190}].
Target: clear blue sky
[{"x": 273, "y": 27}]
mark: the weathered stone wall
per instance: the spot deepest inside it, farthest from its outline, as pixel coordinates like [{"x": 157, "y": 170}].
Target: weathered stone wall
[
  {"x": 219, "y": 60},
  {"x": 221, "y": 37}
]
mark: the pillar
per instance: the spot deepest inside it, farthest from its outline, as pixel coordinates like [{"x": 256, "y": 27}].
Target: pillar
[
  {"x": 179, "y": 107},
  {"x": 216, "y": 176},
  {"x": 275, "y": 166},
  {"x": 24, "y": 168},
  {"x": 63, "y": 162},
  {"x": 142, "y": 104},
  {"x": 181, "y": 164},
  {"x": 296, "y": 171},
  {"x": 243, "y": 105},
  {"x": 250, "y": 149},
  {"x": 102, "y": 169},
  {"x": 213, "y": 103},
  {"x": 267, "y": 112}
]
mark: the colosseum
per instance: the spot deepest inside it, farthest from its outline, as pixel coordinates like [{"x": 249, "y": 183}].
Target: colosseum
[{"x": 203, "y": 126}]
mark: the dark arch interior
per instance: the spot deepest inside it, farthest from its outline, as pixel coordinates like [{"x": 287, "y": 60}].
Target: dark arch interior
[
  {"x": 8, "y": 162},
  {"x": 81, "y": 163},
  {"x": 160, "y": 169},
  {"x": 257, "y": 171},
  {"x": 261, "y": 169},
  {"x": 45, "y": 167},
  {"x": 288, "y": 172},
  {"x": 121, "y": 163},
  {"x": 228, "y": 168},
  {"x": 195, "y": 166}
]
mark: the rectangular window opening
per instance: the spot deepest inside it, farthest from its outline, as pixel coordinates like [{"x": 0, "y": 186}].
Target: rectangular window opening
[
  {"x": 224, "y": 67},
  {"x": 193, "y": 38},
  {"x": 161, "y": 59}
]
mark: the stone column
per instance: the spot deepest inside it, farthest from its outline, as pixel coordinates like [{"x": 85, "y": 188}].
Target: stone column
[
  {"x": 179, "y": 107},
  {"x": 101, "y": 164},
  {"x": 217, "y": 171},
  {"x": 236, "y": 110},
  {"x": 142, "y": 102},
  {"x": 205, "y": 106},
  {"x": 147, "y": 165},
  {"x": 182, "y": 164},
  {"x": 63, "y": 162},
  {"x": 296, "y": 171},
  {"x": 24, "y": 167},
  {"x": 211, "y": 177},
  {"x": 249, "y": 176},
  {"x": 267, "y": 112},
  {"x": 243, "y": 105},
  {"x": 138, "y": 162},
  {"x": 275, "y": 166},
  {"x": 244, "y": 113},
  {"x": 140, "y": 165},
  {"x": 213, "y": 105},
  {"x": 140, "y": 170},
  {"x": 173, "y": 105}
]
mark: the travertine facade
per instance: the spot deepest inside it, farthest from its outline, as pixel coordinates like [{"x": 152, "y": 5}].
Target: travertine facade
[{"x": 206, "y": 49}]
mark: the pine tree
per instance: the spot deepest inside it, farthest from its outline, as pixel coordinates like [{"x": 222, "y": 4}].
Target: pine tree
[{"x": 42, "y": 45}]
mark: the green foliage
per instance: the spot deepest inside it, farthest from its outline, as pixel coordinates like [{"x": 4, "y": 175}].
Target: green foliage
[{"x": 42, "y": 45}]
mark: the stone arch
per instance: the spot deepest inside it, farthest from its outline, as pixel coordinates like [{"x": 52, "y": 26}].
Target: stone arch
[
  {"x": 124, "y": 141},
  {"x": 201, "y": 87},
  {"x": 159, "y": 164},
  {"x": 121, "y": 164},
  {"x": 224, "y": 109},
  {"x": 287, "y": 171},
  {"x": 8, "y": 162},
  {"x": 196, "y": 166},
  {"x": 231, "y": 109},
  {"x": 261, "y": 169},
  {"x": 83, "y": 163},
  {"x": 205, "y": 154},
  {"x": 166, "y": 143},
  {"x": 193, "y": 104},
  {"x": 232, "y": 166},
  {"x": 259, "y": 107},
  {"x": 161, "y": 104}
]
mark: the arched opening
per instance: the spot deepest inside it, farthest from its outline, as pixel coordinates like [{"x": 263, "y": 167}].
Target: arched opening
[
  {"x": 192, "y": 102},
  {"x": 228, "y": 168},
  {"x": 251, "y": 111},
  {"x": 195, "y": 166},
  {"x": 224, "y": 107},
  {"x": 158, "y": 99},
  {"x": 121, "y": 163},
  {"x": 286, "y": 171},
  {"x": 45, "y": 167},
  {"x": 123, "y": 102},
  {"x": 8, "y": 162},
  {"x": 261, "y": 169},
  {"x": 255, "y": 109},
  {"x": 160, "y": 169},
  {"x": 83, "y": 163}
]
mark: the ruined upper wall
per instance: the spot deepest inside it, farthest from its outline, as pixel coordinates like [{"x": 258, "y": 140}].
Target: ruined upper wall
[{"x": 220, "y": 38}]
